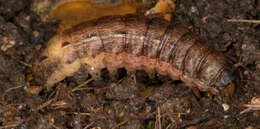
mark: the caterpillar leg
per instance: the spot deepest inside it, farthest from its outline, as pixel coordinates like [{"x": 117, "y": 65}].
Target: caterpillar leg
[
  {"x": 113, "y": 75},
  {"x": 132, "y": 74},
  {"x": 152, "y": 75}
]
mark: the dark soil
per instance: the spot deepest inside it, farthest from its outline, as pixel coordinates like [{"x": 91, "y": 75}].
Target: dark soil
[{"x": 132, "y": 101}]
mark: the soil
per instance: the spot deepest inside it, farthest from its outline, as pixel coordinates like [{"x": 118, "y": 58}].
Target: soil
[{"x": 131, "y": 101}]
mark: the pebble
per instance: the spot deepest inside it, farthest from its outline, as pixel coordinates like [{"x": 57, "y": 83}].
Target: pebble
[
  {"x": 225, "y": 106},
  {"x": 193, "y": 9}
]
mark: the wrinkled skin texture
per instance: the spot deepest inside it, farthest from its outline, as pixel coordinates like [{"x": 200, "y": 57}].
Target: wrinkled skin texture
[{"x": 135, "y": 43}]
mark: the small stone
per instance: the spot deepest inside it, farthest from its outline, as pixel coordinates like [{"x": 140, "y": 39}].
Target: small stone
[
  {"x": 244, "y": 46},
  {"x": 225, "y": 106},
  {"x": 36, "y": 33},
  {"x": 148, "y": 109},
  {"x": 226, "y": 116},
  {"x": 193, "y": 9},
  {"x": 258, "y": 66},
  {"x": 7, "y": 43},
  {"x": 246, "y": 73}
]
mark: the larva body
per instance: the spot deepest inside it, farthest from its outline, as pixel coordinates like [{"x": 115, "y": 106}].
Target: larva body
[{"x": 135, "y": 43}]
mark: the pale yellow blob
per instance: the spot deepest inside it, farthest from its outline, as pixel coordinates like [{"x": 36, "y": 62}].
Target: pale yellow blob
[
  {"x": 74, "y": 12},
  {"x": 161, "y": 7},
  {"x": 53, "y": 47}
]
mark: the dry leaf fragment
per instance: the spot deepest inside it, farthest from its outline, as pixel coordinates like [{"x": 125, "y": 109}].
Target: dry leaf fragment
[{"x": 253, "y": 106}]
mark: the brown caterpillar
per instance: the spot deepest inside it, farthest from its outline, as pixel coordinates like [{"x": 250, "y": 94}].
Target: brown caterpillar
[{"x": 135, "y": 43}]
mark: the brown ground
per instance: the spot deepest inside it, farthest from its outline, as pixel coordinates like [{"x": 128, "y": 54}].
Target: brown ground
[{"x": 151, "y": 101}]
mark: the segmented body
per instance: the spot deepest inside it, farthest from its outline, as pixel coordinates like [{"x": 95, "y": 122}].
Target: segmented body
[{"x": 135, "y": 43}]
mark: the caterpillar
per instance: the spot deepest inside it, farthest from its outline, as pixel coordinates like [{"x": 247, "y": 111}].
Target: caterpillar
[{"x": 135, "y": 43}]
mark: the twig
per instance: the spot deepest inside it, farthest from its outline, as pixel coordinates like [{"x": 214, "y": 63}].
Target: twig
[
  {"x": 10, "y": 89},
  {"x": 45, "y": 104},
  {"x": 244, "y": 20},
  {"x": 131, "y": 118},
  {"x": 50, "y": 100},
  {"x": 13, "y": 88},
  {"x": 195, "y": 122},
  {"x": 88, "y": 125},
  {"x": 169, "y": 126},
  {"x": 21, "y": 62},
  {"x": 25, "y": 64},
  {"x": 12, "y": 125},
  {"x": 247, "y": 69},
  {"x": 225, "y": 47},
  {"x": 81, "y": 113},
  {"x": 89, "y": 88},
  {"x": 81, "y": 85},
  {"x": 54, "y": 126},
  {"x": 121, "y": 123},
  {"x": 159, "y": 117},
  {"x": 250, "y": 107}
]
